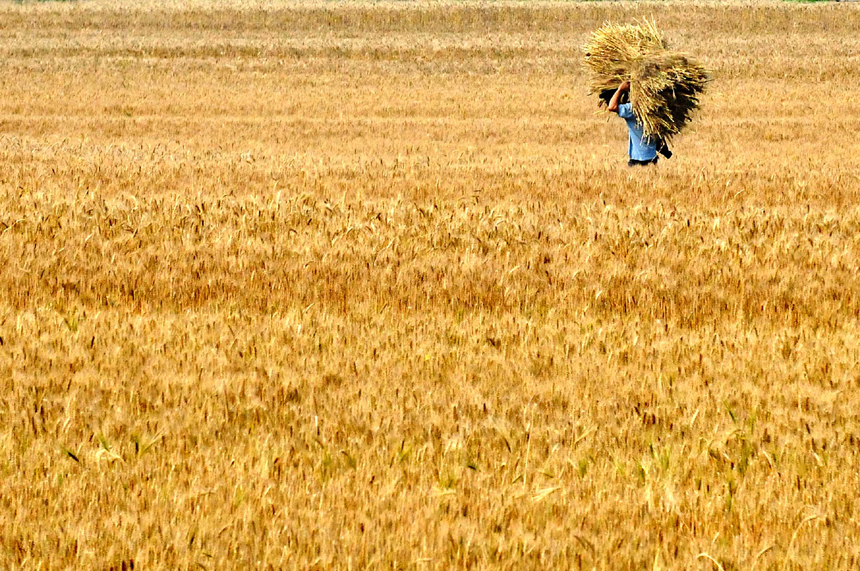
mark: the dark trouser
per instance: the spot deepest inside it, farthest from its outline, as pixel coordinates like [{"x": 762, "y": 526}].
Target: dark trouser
[{"x": 635, "y": 163}]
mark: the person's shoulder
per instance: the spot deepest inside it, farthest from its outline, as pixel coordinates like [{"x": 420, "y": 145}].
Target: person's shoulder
[{"x": 625, "y": 111}]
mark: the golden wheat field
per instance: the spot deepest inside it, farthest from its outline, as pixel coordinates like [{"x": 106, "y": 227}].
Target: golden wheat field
[{"x": 370, "y": 286}]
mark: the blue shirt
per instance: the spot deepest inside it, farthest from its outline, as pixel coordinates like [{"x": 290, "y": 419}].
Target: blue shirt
[{"x": 641, "y": 148}]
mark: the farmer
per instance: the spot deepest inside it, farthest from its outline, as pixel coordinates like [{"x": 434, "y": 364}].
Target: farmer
[{"x": 642, "y": 150}]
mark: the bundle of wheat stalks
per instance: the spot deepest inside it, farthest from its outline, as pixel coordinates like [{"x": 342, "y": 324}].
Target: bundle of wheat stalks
[{"x": 664, "y": 85}]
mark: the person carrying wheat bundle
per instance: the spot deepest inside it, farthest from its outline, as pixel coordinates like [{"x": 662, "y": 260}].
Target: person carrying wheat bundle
[{"x": 636, "y": 76}]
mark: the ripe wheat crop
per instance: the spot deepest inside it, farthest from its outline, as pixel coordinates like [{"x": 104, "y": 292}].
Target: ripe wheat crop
[{"x": 370, "y": 286}]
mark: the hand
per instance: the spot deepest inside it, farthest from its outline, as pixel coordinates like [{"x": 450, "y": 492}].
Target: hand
[{"x": 624, "y": 86}]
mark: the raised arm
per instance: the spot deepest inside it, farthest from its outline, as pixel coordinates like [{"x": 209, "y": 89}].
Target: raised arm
[{"x": 613, "y": 103}]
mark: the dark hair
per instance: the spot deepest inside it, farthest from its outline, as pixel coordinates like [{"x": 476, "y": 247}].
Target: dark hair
[{"x": 606, "y": 96}]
